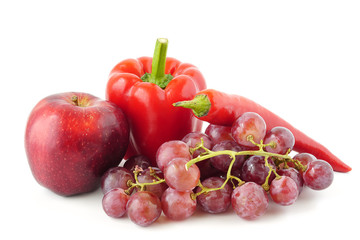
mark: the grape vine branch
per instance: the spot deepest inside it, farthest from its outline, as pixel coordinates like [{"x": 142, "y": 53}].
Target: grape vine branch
[{"x": 207, "y": 154}]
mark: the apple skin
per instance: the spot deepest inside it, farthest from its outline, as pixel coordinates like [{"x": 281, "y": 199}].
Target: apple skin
[{"x": 70, "y": 144}]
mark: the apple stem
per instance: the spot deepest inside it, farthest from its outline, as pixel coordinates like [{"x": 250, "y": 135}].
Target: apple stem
[{"x": 75, "y": 100}]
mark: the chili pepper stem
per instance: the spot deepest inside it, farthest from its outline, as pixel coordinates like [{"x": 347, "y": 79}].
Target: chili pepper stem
[
  {"x": 158, "y": 75},
  {"x": 200, "y": 105}
]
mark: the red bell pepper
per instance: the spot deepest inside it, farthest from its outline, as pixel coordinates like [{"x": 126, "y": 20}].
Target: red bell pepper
[
  {"x": 223, "y": 109},
  {"x": 145, "y": 89}
]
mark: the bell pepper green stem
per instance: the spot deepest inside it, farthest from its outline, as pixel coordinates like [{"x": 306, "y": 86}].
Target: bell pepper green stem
[
  {"x": 159, "y": 59},
  {"x": 157, "y": 75}
]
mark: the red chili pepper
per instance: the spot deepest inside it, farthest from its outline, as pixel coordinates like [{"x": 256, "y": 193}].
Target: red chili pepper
[
  {"x": 145, "y": 89},
  {"x": 223, "y": 109}
]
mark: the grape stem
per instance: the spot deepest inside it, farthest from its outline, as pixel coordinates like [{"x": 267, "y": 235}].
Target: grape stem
[
  {"x": 207, "y": 154},
  {"x": 142, "y": 186},
  {"x": 281, "y": 158},
  {"x": 266, "y": 185}
]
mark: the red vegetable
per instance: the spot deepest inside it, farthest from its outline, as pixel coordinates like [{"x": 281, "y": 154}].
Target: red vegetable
[
  {"x": 145, "y": 89},
  {"x": 223, "y": 109}
]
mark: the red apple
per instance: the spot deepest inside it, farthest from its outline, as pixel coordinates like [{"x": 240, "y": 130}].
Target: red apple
[{"x": 72, "y": 138}]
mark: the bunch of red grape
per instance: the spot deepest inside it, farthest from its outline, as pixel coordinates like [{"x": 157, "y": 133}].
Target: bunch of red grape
[{"x": 240, "y": 166}]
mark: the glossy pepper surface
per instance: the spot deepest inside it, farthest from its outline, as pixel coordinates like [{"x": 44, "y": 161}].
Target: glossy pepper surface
[
  {"x": 223, "y": 109},
  {"x": 145, "y": 89}
]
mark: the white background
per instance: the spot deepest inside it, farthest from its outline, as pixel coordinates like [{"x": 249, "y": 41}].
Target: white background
[{"x": 299, "y": 59}]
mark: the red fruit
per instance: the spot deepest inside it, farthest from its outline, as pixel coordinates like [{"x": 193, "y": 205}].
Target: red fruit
[
  {"x": 249, "y": 123},
  {"x": 143, "y": 208},
  {"x": 193, "y": 140},
  {"x": 215, "y": 201},
  {"x": 284, "y": 191},
  {"x": 170, "y": 150},
  {"x": 219, "y": 133},
  {"x": 114, "y": 202},
  {"x": 147, "y": 177},
  {"x": 249, "y": 201},
  {"x": 177, "y": 205},
  {"x": 72, "y": 138},
  {"x": 318, "y": 175},
  {"x": 116, "y": 177},
  {"x": 179, "y": 178}
]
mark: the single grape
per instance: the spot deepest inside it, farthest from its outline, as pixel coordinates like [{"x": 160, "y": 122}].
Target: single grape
[
  {"x": 294, "y": 175},
  {"x": 303, "y": 158},
  {"x": 193, "y": 139},
  {"x": 114, "y": 202},
  {"x": 177, "y": 205},
  {"x": 147, "y": 176},
  {"x": 283, "y": 139},
  {"x": 222, "y": 162},
  {"x": 249, "y": 201},
  {"x": 170, "y": 150},
  {"x": 139, "y": 160},
  {"x": 206, "y": 169},
  {"x": 284, "y": 191},
  {"x": 144, "y": 208},
  {"x": 214, "y": 201},
  {"x": 318, "y": 175},
  {"x": 219, "y": 133},
  {"x": 247, "y": 124},
  {"x": 254, "y": 170},
  {"x": 179, "y": 178},
  {"x": 116, "y": 177},
  {"x": 234, "y": 172}
]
